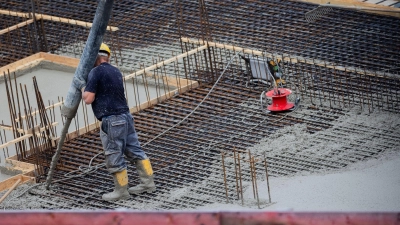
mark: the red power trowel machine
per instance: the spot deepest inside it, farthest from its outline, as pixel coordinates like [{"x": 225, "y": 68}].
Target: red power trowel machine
[
  {"x": 278, "y": 100},
  {"x": 260, "y": 70}
]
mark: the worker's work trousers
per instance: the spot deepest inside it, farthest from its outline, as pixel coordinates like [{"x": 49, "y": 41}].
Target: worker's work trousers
[{"x": 119, "y": 138}]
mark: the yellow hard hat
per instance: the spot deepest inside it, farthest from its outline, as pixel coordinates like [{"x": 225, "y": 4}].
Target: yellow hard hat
[
  {"x": 105, "y": 48},
  {"x": 272, "y": 63}
]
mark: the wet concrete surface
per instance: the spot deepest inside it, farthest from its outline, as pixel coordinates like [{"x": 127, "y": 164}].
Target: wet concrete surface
[{"x": 3, "y": 176}]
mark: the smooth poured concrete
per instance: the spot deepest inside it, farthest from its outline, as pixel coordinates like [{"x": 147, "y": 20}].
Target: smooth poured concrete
[{"x": 3, "y": 176}]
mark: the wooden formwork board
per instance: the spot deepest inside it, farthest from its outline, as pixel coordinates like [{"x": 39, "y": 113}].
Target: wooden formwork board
[
  {"x": 7, "y": 184},
  {"x": 36, "y": 59},
  {"x": 53, "y": 18},
  {"x": 165, "y": 62},
  {"x": 291, "y": 59},
  {"x": 20, "y": 167},
  {"x": 16, "y": 26}
]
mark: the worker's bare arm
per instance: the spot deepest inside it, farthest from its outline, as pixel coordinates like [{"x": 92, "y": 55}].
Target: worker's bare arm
[{"x": 88, "y": 97}]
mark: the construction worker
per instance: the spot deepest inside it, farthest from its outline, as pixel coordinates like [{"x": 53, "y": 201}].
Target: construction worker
[
  {"x": 105, "y": 91},
  {"x": 276, "y": 72}
]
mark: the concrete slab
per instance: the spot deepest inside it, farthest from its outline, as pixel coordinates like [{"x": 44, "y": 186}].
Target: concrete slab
[{"x": 3, "y": 176}]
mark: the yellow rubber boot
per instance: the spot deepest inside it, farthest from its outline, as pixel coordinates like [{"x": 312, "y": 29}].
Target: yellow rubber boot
[
  {"x": 146, "y": 178},
  {"x": 120, "y": 187}
]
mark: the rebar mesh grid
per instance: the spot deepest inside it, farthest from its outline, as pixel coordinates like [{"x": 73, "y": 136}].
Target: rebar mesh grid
[
  {"x": 182, "y": 158},
  {"x": 343, "y": 37},
  {"x": 188, "y": 157}
]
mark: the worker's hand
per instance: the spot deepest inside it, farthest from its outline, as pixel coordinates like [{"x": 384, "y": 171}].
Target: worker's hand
[{"x": 78, "y": 83}]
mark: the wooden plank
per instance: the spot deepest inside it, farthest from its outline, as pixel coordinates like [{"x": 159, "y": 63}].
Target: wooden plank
[
  {"x": 293, "y": 59},
  {"x": 36, "y": 59},
  {"x": 10, "y": 190},
  {"x": 38, "y": 130},
  {"x": 25, "y": 66},
  {"x": 8, "y": 183},
  {"x": 171, "y": 81},
  {"x": 164, "y": 97},
  {"x": 54, "y": 18},
  {"x": 16, "y": 140},
  {"x": 58, "y": 59},
  {"x": 23, "y": 167},
  {"x": 8, "y": 127},
  {"x": 13, "y": 13},
  {"x": 70, "y": 21},
  {"x": 37, "y": 111},
  {"x": 165, "y": 62},
  {"x": 22, "y": 24},
  {"x": 12, "y": 67}
]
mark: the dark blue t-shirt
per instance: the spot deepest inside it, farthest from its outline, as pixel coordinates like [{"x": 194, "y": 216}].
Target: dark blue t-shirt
[{"x": 105, "y": 81}]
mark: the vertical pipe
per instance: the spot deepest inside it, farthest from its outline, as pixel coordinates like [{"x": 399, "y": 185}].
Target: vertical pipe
[
  {"x": 136, "y": 93},
  {"x": 251, "y": 173},
  {"x": 359, "y": 89},
  {"x": 253, "y": 165},
  {"x": 341, "y": 92},
  {"x": 43, "y": 33},
  {"x": 2, "y": 142},
  {"x": 86, "y": 63},
  {"x": 240, "y": 178},
  {"x": 21, "y": 124},
  {"x": 10, "y": 107},
  {"x": 266, "y": 174},
  {"x": 333, "y": 85},
  {"x": 177, "y": 76},
  {"x": 34, "y": 145},
  {"x": 84, "y": 116},
  {"x": 319, "y": 81},
  {"x": 370, "y": 92},
  {"x": 146, "y": 86},
  {"x": 236, "y": 173},
  {"x": 187, "y": 70},
  {"x": 366, "y": 91},
  {"x": 36, "y": 35},
  {"x": 329, "y": 92},
  {"x": 126, "y": 91},
  {"x": 165, "y": 82},
  {"x": 223, "y": 169}
]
